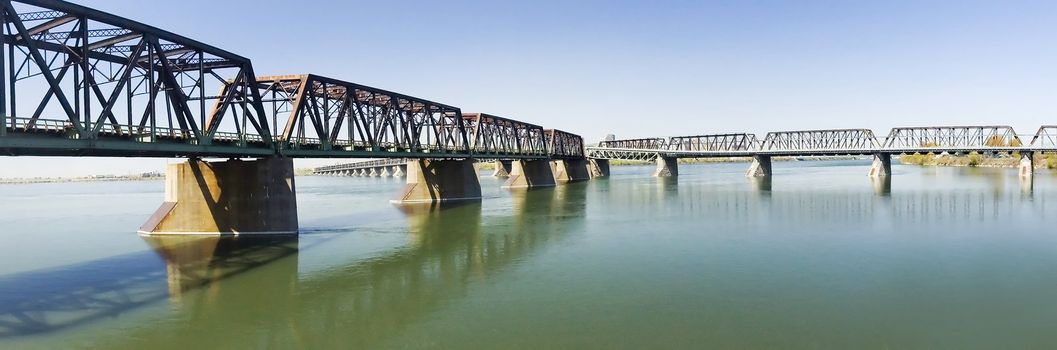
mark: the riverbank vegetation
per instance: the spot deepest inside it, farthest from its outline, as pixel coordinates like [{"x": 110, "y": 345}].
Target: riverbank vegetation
[{"x": 974, "y": 159}]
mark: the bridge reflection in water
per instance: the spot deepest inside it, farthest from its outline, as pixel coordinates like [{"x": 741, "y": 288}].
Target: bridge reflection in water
[
  {"x": 453, "y": 246},
  {"x": 993, "y": 196}
]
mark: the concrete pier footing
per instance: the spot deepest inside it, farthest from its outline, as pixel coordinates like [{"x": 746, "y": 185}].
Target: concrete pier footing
[
  {"x": 761, "y": 166},
  {"x": 570, "y": 170},
  {"x": 384, "y": 172},
  {"x": 440, "y": 181},
  {"x": 530, "y": 174},
  {"x": 667, "y": 166},
  {"x": 502, "y": 168},
  {"x": 1027, "y": 165},
  {"x": 598, "y": 167},
  {"x": 882, "y": 165},
  {"x": 399, "y": 170},
  {"x": 227, "y": 198}
]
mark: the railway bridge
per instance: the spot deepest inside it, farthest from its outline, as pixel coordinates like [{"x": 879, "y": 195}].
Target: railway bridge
[
  {"x": 957, "y": 140},
  {"x": 76, "y": 81},
  {"x": 528, "y": 155}
]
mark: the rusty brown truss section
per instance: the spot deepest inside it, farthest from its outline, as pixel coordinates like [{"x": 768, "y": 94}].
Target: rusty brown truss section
[
  {"x": 561, "y": 144},
  {"x": 77, "y": 81},
  {"x": 498, "y": 136}
]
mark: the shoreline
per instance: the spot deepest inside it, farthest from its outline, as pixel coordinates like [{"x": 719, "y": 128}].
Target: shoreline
[{"x": 48, "y": 180}]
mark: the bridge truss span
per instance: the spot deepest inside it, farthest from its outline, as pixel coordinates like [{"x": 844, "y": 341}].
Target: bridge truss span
[
  {"x": 564, "y": 145},
  {"x": 819, "y": 140},
  {"x": 498, "y": 137},
  {"x": 1045, "y": 138},
  {"x": 953, "y": 137},
  {"x": 326, "y": 117},
  {"x": 713, "y": 143},
  {"x": 75, "y": 81},
  {"x": 647, "y": 143},
  {"x": 76, "y": 77}
]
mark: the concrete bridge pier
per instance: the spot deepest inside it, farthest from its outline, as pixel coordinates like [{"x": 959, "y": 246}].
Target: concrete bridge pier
[
  {"x": 227, "y": 198},
  {"x": 666, "y": 166},
  {"x": 361, "y": 172},
  {"x": 435, "y": 180},
  {"x": 373, "y": 172},
  {"x": 1027, "y": 165},
  {"x": 502, "y": 168},
  {"x": 598, "y": 167},
  {"x": 570, "y": 170},
  {"x": 761, "y": 166},
  {"x": 882, "y": 165},
  {"x": 530, "y": 174},
  {"x": 384, "y": 172}
]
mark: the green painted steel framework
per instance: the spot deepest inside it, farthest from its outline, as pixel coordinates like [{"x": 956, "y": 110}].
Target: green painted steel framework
[{"x": 80, "y": 82}]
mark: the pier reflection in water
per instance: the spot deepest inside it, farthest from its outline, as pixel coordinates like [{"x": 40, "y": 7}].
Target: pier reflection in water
[
  {"x": 364, "y": 302},
  {"x": 192, "y": 261}
]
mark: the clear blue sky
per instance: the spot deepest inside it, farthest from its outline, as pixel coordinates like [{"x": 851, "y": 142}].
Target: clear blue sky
[{"x": 650, "y": 68}]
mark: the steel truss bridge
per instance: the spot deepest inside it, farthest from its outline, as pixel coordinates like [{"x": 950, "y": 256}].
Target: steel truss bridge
[
  {"x": 76, "y": 81},
  {"x": 834, "y": 142}
]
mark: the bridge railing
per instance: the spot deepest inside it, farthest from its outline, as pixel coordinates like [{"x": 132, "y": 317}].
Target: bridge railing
[{"x": 131, "y": 133}]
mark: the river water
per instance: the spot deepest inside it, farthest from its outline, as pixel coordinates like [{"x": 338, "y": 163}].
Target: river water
[{"x": 818, "y": 257}]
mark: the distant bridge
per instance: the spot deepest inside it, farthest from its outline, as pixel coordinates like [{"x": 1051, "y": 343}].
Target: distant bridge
[{"x": 833, "y": 142}]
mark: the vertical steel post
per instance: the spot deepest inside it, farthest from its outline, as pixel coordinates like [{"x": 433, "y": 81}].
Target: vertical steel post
[
  {"x": 83, "y": 33},
  {"x": 77, "y": 80},
  {"x": 202, "y": 92},
  {"x": 128, "y": 101},
  {"x": 3, "y": 77},
  {"x": 152, "y": 93},
  {"x": 11, "y": 81}
]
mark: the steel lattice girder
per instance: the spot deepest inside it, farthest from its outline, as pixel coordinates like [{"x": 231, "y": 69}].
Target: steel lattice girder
[
  {"x": 91, "y": 66},
  {"x": 953, "y": 136},
  {"x": 1046, "y": 137},
  {"x": 561, "y": 144},
  {"x": 493, "y": 135},
  {"x": 717, "y": 142},
  {"x": 647, "y": 143},
  {"x": 323, "y": 113},
  {"x": 820, "y": 139},
  {"x": 602, "y": 153}
]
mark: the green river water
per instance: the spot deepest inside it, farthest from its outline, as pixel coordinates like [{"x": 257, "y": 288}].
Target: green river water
[{"x": 820, "y": 257}]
